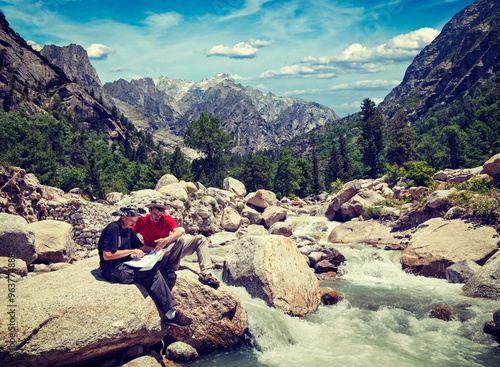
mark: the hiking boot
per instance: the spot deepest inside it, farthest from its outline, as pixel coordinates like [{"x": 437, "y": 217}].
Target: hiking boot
[
  {"x": 209, "y": 279},
  {"x": 178, "y": 320}
]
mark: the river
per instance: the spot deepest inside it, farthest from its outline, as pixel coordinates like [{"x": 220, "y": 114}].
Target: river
[{"x": 382, "y": 321}]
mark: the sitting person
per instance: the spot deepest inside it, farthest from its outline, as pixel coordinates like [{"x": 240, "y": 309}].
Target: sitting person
[
  {"x": 158, "y": 230},
  {"x": 118, "y": 243}
]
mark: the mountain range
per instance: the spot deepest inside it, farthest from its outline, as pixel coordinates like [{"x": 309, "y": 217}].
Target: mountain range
[{"x": 464, "y": 55}]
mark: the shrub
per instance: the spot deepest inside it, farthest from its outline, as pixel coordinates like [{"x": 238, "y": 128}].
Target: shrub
[
  {"x": 337, "y": 185},
  {"x": 419, "y": 172}
]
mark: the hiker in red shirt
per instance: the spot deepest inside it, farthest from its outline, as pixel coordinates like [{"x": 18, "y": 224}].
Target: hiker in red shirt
[{"x": 158, "y": 230}]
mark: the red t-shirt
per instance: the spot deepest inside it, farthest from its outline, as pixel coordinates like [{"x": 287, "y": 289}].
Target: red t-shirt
[{"x": 152, "y": 231}]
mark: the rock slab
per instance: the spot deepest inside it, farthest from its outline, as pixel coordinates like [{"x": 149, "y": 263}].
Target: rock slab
[
  {"x": 439, "y": 243},
  {"x": 73, "y": 315}
]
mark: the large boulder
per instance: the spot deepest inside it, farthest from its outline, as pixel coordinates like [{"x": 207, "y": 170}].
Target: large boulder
[
  {"x": 273, "y": 214},
  {"x": 357, "y": 204},
  {"x": 253, "y": 215},
  {"x": 234, "y": 186},
  {"x": 231, "y": 219},
  {"x": 273, "y": 269},
  {"x": 344, "y": 195},
  {"x": 262, "y": 199},
  {"x": 492, "y": 166},
  {"x": 439, "y": 243},
  {"x": 175, "y": 191},
  {"x": 53, "y": 241},
  {"x": 166, "y": 180},
  {"x": 369, "y": 232},
  {"x": 486, "y": 281},
  {"x": 219, "y": 316},
  {"x": 73, "y": 315},
  {"x": 16, "y": 238}
]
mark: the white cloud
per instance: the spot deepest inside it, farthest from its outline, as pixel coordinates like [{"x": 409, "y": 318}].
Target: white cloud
[
  {"x": 160, "y": 22},
  {"x": 250, "y": 7},
  {"x": 366, "y": 84},
  {"x": 415, "y": 40},
  {"x": 259, "y": 43},
  {"x": 242, "y": 50},
  {"x": 34, "y": 45},
  {"x": 96, "y": 51},
  {"x": 289, "y": 71}
]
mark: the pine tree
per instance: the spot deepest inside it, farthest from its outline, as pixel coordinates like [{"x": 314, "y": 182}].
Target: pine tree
[
  {"x": 401, "y": 146},
  {"x": 371, "y": 140},
  {"x": 179, "y": 165}
]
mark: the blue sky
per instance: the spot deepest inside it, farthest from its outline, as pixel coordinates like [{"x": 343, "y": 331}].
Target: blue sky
[{"x": 336, "y": 53}]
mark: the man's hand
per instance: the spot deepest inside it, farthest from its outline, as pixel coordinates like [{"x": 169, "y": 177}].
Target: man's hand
[
  {"x": 161, "y": 243},
  {"x": 138, "y": 252}
]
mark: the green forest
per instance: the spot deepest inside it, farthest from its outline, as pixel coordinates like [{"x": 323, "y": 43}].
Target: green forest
[{"x": 463, "y": 134}]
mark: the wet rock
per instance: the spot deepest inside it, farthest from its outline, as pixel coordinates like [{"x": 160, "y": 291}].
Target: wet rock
[
  {"x": 486, "y": 281},
  {"x": 461, "y": 271},
  {"x": 282, "y": 229},
  {"x": 329, "y": 296},
  {"x": 442, "y": 311},
  {"x": 181, "y": 352}
]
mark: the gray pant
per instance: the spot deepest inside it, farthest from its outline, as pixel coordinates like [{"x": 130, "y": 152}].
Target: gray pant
[
  {"x": 152, "y": 280},
  {"x": 187, "y": 245}
]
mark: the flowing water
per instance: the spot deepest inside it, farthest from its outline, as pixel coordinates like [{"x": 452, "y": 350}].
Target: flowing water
[{"x": 383, "y": 320}]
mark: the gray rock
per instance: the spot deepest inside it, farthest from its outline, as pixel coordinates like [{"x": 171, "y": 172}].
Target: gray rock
[
  {"x": 53, "y": 241},
  {"x": 280, "y": 228},
  {"x": 439, "y": 243},
  {"x": 181, "y": 352},
  {"x": 73, "y": 315},
  {"x": 144, "y": 361},
  {"x": 486, "y": 281},
  {"x": 273, "y": 269},
  {"x": 461, "y": 271},
  {"x": 219, "y": 316},
  {"x": 16, "y": 238}
]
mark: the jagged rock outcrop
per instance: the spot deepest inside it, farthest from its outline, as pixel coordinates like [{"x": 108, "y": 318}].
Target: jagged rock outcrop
[
  {"x": 74, "y": 61},
  {"x": 30, "y": 81},
  {"x": 464, "y": 55}
]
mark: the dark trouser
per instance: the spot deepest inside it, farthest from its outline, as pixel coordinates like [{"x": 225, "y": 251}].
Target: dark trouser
[{"x": 152, "y": 280}]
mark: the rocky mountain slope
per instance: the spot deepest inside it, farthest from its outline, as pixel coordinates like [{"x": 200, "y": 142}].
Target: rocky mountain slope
[
  {"x": 464, "y": 55},
  {"x": 260, "y": 121},
  {"x": 31, "y": 82}
]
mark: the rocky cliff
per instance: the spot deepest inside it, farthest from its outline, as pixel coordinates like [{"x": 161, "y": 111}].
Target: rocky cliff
[
  {"x": 464, "y": 55},
  {"x": 74, "y": 61},
  {"x": 29, "y": 81}
]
